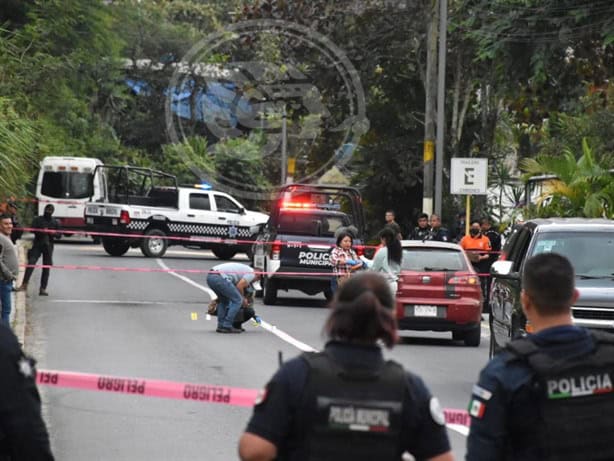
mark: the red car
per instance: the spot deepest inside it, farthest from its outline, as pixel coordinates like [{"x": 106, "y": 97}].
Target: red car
[{"x": 439, "y": 290}]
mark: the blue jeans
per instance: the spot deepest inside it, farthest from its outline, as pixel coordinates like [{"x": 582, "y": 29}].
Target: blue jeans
[
  {"x": 6, "y": 289},
  {"x": 229, "y": 299}
]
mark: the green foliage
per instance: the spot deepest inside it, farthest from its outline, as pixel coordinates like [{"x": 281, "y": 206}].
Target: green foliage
[
  {"x": 583, "y": 187},
  {"x": 189, "y": 160},
  {"x": 17, "y": 147}
]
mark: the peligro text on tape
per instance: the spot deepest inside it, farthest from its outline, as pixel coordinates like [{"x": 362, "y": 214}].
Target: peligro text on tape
[{"x": 206, "y": 393}]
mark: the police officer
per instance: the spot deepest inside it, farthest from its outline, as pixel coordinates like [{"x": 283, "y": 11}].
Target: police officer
[
  {"x": 438, "y": 233},
  {"x": 23, "y": 435},
  {"x": 42, "y": 245},
  {"x": 348, "y": 403},
  {"x": 422, "y": 231},
  {"x": 549, "y": 396}
]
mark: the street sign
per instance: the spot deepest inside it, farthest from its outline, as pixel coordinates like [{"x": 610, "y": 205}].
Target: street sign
[{"x": 469, "y": 176}]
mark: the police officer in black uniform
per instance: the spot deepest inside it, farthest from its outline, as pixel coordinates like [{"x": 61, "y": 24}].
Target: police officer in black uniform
[
  {"x": 423, "y": 230},
  {"x": 549, "y": 396},
  {"x": 438, "y": 233},
  {"x": 348, "y": 403},
  {"x": 23, "y": 435},
  {"x": 495, "y": 248}
]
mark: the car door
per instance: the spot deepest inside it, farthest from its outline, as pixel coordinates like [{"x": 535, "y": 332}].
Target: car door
[
  {"x": 228, "y": 214},
  {"x": 506, "y": 313},
  {"x": 199, "y": 218}
]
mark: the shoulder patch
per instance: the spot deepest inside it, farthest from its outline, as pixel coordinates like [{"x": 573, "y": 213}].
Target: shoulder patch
[
  {"x": 436, "y": 411},
  {"x": 481, "y": 392},
  {"x": 261, "y": 397},
  {"x": 477, "y": 408}
]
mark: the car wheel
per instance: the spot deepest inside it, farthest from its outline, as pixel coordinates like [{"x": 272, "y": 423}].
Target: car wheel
[
  {"x": 473, "y": 337},
  {"x": 115, "y": 246},
  {"x": 458, "y": 335},
  {"x": 224, "y": 252},
  {"x": 270, "y": 292},
  {"x": 154, "y": 245}
]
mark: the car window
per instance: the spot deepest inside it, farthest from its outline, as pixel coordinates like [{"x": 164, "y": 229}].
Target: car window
[
  {"x": 200, "y": 202},
  {"x": 225, "y": 204},
  {"x": 423, "y": 259},
  {"x": 310, "y": 224},
  {"x": 591, "y": 253},
  {"x": 519, "y": 248}
]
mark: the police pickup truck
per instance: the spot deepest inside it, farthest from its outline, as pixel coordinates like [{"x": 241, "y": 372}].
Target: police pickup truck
[
  {"x": 294, "y": 247},
  {"x": 148, "y": 203}
]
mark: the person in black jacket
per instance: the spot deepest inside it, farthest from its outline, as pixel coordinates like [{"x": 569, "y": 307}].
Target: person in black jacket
[
  {"x": 42, "y": 245},
  {"x": 11, "y": 210},
  {"x": 348, "y": 402},
  {"x": 23, "y": 435},
  {"x": 423, "y": 230}
]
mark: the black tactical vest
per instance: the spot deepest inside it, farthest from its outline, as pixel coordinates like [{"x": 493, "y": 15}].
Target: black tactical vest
[
  {"x": 576, "y": 400},
  {"x": 351, "y": 415}
]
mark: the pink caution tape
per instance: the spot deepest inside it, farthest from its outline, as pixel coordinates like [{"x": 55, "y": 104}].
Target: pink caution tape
[
  {"x": 454, "y": 416},
  {"x": 205, "y": 393}
]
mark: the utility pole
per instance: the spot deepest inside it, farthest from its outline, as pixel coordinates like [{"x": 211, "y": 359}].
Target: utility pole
[
  {"x": 429, "y": 111},
  {"x": 441, "y": 105},
  {"x": 284, "y": 145}
]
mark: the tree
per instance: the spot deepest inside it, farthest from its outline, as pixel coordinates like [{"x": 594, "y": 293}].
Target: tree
[{"x": 583, "y": 187}]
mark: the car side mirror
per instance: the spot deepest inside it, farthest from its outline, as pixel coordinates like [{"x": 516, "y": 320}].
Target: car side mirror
[
  {"x": 503, "y": 269},
  {"x": 241, "y": 210}
]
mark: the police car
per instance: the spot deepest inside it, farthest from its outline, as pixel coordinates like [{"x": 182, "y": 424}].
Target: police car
[
  {"x": 294, "y": 247},
  {"x": 144, "y": 202}
]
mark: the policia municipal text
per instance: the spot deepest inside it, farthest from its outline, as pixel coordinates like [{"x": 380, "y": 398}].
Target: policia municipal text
[
  {"x": 348, "y": 403},
  {"x": 548, "y": 396}
]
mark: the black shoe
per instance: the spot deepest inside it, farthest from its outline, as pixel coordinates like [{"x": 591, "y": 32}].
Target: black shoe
[
  {"x": 43, "y": 292},
  {"x": 228, "y": 330},
  {"x": 238, "y": 327}
]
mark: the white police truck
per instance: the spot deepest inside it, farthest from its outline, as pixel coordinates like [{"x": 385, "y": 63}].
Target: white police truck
[{"x": 145, "y": 208}]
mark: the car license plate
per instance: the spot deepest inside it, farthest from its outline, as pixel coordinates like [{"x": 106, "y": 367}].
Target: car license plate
[
  {"x": 93, "y": 210},
  {"x": 425, "y": 311}
]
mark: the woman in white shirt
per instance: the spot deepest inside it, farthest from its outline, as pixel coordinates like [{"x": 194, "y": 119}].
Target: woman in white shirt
[{"x": 387, "y": 260}]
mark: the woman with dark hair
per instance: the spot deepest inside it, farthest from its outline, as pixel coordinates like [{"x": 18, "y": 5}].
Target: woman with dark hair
[
  {"x": 344, "y": 260},
  {"x": 347, "y": 402},
  {"x": 387, "y": 260}
]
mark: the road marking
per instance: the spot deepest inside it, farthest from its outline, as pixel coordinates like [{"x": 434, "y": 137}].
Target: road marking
[
  {"x": 188, "y": 280},
  {"x": 277, "y": 332},
  {"x": 194, "y": 315}
]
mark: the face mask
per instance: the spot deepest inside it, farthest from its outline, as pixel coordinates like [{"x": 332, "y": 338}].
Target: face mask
[
  {"x": 474, "y": 232},
  {"x": 48, "y": 214}
]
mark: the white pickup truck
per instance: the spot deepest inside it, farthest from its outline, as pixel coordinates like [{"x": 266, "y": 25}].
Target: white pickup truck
[{"x": 148, "y": 203}]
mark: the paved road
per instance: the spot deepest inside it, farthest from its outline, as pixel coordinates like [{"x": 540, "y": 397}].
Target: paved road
[{"x": 142, "y": 325}]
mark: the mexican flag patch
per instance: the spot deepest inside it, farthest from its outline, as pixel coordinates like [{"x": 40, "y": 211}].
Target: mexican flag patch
[{"x": 477, "y": 409}]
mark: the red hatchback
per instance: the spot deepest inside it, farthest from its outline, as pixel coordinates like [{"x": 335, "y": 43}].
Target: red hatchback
[{"x": 439, "y": 290}]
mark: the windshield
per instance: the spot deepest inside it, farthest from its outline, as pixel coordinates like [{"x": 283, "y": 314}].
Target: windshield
[
  {"x": 63, "y": 184},
  {"x": 310, "y": 224},
  {"x": 432, "y": 259},
  {"x": 591, "y": 253}
]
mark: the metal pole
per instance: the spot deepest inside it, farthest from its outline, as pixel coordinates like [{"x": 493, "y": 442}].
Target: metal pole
[
  {"x": 284, "y": 146},
  {"x": 429, "y": 109},
  {"x": 441, "y": 105}
]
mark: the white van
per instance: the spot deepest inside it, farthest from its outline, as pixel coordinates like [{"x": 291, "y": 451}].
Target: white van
[{"x": 66, "y": 182}]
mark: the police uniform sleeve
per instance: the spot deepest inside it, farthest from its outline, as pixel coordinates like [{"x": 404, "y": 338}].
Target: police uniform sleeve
[
  {"x": 488, "y": 411},
  {"x": 426, "y": 436},
  {"x": 21, "y": 425},
  {"x": 276, "y": 407}
]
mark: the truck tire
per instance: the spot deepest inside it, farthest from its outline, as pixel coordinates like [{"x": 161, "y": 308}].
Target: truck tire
[
  {"x": 270, "y": 292},
  {"x": 115, "y": 246},
  {"x": 154, "y": 245},
  {"x": 224, "y": 251}
]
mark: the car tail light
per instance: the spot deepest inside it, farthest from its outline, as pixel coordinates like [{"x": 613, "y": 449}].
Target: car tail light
[
  {"x": 275, "y": 249},
  {"x": 124, "y": 217},
  {"x": 360, "y": 250},
  {"x": 464, "y": 280}
]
